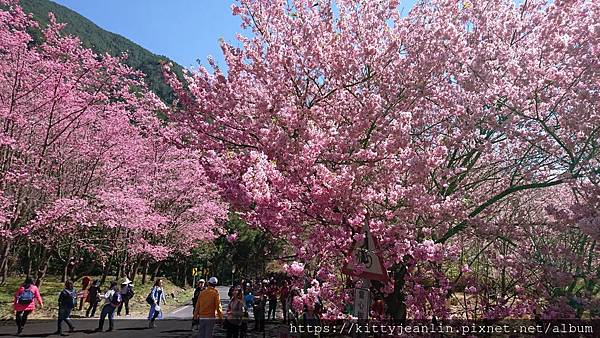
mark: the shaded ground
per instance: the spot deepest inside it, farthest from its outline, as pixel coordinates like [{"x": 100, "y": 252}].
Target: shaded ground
[
  {"x": 130, "y": 329},
  {"x": 177, "y": 323}
]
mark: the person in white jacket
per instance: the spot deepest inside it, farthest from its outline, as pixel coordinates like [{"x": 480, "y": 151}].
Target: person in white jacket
[{"x": 112, "y": 300}]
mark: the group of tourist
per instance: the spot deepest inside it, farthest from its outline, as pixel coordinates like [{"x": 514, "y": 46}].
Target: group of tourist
[
  {"x": 116, "y": 297},
  {"x": 264, "y": 295},
  {"x": 260, "y": 297}
]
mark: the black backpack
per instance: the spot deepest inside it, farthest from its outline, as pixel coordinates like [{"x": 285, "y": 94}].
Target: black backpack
[
  {"x": 116, "y": 298},
  {"x": 150, "y": 298},
  {"x": 68, "y": 298},
  {"x": 130, "y": 292}
]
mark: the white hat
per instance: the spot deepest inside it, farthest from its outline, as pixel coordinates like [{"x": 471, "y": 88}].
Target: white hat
[
  {"x": 201, "y": 280},
  {"x": 213, "y": 281}
]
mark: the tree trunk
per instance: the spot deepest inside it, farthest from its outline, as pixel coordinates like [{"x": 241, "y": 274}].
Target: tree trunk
[
  {"x": 186, "y": 270},
  {"x": 105, "y": 270},
  {"x": 134, "y": 270},
  {"x": 4, "y": 263},
  {"x": 119, "y": 268},
  {"x": 145, "y": 272},
  {"x": 43, "y": 268},
  {"x": 156, "y": 270},
  {"x": 396, "y": 301},
  {"x": 67, "y": 266},
  {"x": 29, "y": 261},
  {"x": 126, "y": 269}
]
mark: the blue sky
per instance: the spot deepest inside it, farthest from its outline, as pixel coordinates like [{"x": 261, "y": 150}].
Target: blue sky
[{"x": 183, "y": 30}]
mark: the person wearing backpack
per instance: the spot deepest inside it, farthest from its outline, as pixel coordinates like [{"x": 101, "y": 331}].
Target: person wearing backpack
[
  {"x": 24, "y": 303},
  {"x": 126, "y": 293},
  {"x": 156, "y": 298},
  {"x": 112, "y": 299},
  {"x": 93, "y": 297},
  {"x": 67, "y": 300}
]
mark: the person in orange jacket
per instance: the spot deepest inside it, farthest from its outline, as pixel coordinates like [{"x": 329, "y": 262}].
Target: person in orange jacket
[{"x": 208, "y": 308}]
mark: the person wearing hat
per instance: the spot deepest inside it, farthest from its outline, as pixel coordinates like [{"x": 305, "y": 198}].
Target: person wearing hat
[
  {"x": 208, "y": 308},
  {"x": 126, "y": 294},
  {"x": 199, "y": 288}
]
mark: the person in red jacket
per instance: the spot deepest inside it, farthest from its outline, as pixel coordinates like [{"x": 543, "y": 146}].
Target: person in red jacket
[{"x": 24, "y": 303}]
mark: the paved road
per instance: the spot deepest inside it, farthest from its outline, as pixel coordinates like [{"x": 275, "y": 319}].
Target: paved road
[
  {"x": 176, "y": 324},
  {"x": 187, "y": 312}
]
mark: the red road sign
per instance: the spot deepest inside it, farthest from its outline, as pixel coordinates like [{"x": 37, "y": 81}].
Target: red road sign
[{"x": 368, "y": 255}]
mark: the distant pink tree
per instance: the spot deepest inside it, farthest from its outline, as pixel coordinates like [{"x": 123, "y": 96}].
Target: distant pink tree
[
  {"x": 85, "y": 164},
  {"x": 451, "y": 132}
]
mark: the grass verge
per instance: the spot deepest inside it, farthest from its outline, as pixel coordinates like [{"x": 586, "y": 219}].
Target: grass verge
[{"x": 51, "y": 287}]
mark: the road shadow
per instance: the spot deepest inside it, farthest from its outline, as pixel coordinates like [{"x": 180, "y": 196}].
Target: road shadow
[
  {"x": 176, "y": 331},
  {"x": 136, "y": 328}
]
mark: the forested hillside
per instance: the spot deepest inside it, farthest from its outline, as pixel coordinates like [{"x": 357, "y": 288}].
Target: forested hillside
[{"x": 102, "y": 41}]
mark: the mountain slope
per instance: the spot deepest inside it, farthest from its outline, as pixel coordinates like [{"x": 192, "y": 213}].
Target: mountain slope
[{"x": 102, "y": 41}]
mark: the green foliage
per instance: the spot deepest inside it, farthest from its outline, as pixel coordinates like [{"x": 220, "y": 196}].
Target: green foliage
[
  {"x": 250, "y": 254},
  {"x": 102, "y": 41}
]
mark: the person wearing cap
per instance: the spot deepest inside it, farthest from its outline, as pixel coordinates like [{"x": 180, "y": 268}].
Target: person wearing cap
[
  {"x": 208, "y": 308},
  {"x": 126, "y": 295},
  {"x": 199, "y": 288}
]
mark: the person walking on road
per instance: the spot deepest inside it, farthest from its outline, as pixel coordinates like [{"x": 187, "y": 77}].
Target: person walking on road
[
  {"x": 272, "y": 294},
  {"x": 67, "y": 300},
  {"x": 85, "y": 284},
  {"x": 199, "y": 288},
  {"x": 24, "y": 303},
  {"x": 126, "y": 294},
  {"x": 235, "y": 313},
  {"x": 93, "y": 297},
  {"x": 208, "y": 308},
  {"x": 112, "y": 299},
  {"x": 156, "y": 299},
  {"x": 260, "y": 303}
]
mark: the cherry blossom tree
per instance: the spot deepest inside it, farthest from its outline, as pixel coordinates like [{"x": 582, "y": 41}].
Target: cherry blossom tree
[
  {"x": 451, "y": 132},
  {"x": 86, "y": 167}
]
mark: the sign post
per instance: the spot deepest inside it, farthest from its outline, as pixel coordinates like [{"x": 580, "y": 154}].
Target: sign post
[
  {"x": 194, "y": 273},
  {"x": 368, "y": 256},
  {"x": 361, "y": 303},
  {"x": 367, "y": 264}
]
